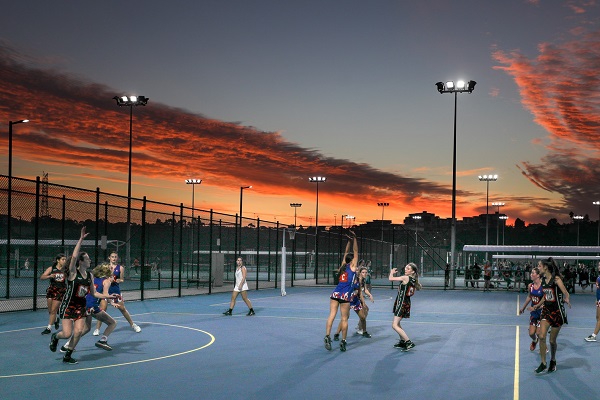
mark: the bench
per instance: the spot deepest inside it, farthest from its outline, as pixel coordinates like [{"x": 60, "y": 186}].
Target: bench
[
  {"x": 496, "y": 283},
  {"x": 201, "y": 282}
]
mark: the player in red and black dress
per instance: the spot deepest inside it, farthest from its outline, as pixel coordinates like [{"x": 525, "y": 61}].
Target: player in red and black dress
[
  {"x": 73, "y": 306},
  {"x": 408, "y": 283},
  {"x": 553, "y": 311},
  {"x": 343, "y": 294},
  {"x": 535, "y": 295},
  {"x": 55, "y": 291}
]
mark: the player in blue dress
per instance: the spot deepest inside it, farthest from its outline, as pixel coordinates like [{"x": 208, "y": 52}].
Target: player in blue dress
[
  {"x": 535, "y": 295},
  {"x": 592, "y": 337},
  {"x": 343, "y": 293},
  {"x": 103, "y": 277},
  {"x": 117, "y": 272}
]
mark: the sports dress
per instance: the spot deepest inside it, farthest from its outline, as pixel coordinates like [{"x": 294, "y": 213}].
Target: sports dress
[
  {"x": 74, "y": 302},
  {"x": 536, "y": 297},
  {"x": 114, "y": 286},
  {"x": 92, "y": 302},
  {"x": 356, "y": 304},
  {"x": 344, "y": 291},
  {"x": 598, "y": 291},
  {"x": 402, "y": 303},
  {"x": 553, "y": 310},
  {"x": 238, "y": 278},
  {"x": 57, "y": 287}
]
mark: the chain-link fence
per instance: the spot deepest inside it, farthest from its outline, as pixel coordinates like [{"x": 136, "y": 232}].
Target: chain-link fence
[{"x": 167, "y": 249}]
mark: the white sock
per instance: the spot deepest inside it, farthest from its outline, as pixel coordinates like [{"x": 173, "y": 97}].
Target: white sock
[
  {"x": 104, "y": 338},
  {"x": 593, "y": 335},
  {"x": 49, "y": 326}
]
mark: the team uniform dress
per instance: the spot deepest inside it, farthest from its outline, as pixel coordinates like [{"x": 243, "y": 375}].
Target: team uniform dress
[
  {"x": 114, "y": 286},
  {"x": 536, "y": 296},
  {"x": 73, "y": 305},
  {"x": 402, "y": 303},
  {"x": 92, "y": 303},
  {"x": 239, "y": 275},
  {"x": 356, "y": 304},
  {"x": 553, "y": 310},
  {"x": 344, "y": 292},
  {"x": 57, "y": 287}
]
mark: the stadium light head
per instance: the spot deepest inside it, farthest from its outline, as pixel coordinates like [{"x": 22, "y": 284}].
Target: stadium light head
[
  {"x": 460, "y": 87},
  {"x": 131, "y": 100}
]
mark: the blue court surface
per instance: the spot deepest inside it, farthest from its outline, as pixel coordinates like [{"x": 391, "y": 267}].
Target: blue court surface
[{"x": 469, "y": 345}]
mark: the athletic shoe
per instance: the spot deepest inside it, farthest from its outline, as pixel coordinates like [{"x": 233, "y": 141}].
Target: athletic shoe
[
  {"x": 96, "y": 332},
  {"x": 250, "y": 313},
  {"x": 46, "y": 331},
  {"x": 590, "y": 338},
  {"x": 336, "y": 337},
  {"x": 408, "y": 345},
  {"x": 343, "y": 345},
  {"x": 64, "y": 349},
  {"x": 400, "y": 345},
  {"x": 359, "y": 331},
  {"x": 540, "y": 369},
  {"x": 103, "y": 345},
  {"x": 69, "y": 360},
  {"x": 56, "y": 323},
  {"x": 366, "y": 334},
  {"x": 136, "y": 328},
  {"x": 228, "y": 312},
  {"x": 53, "y": 343},
  {"x": 552, "y": 366},
  {"x": 327, "y": 342},
  {"x": 532, "y": 346}
]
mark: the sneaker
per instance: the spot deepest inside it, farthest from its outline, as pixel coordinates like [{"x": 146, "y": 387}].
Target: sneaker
[
  {"x": 103, "y": 345},
  {"x": 408, "y": 345},
  {"x": 532, "y": 346},
  {"x": 56, "y": 323},
  {"x": 540, "y": 369},
  {"x": 53, "y": 343},
  {"x": 48, "y": 331},
  {"x": 327, "y": 342},
  {"x": 366, "y": 334},
  {"x": 400, "y": 345},
  {"x": 228, "y": 312},
  {"x": 359, "y": 331},
  {"x": 590, "y": 338},
  {"x": 96, "y": 332},
  {"x": 69, "y": 360},
  {"x": 250, "y": 313},
  {"x": 343, "y": 345},
  {"x": 336, "y": 337},
  {"x": 136, "y": 328},
  {"x": 64, "y": 349},
  {"x": 552, "y": 366}
]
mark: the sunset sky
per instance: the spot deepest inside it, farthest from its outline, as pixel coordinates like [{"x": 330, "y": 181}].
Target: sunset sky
[{"x": 267, "y": 93}]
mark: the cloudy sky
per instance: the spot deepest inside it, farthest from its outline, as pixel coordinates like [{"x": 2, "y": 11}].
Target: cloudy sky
[{"x": 267, "y": 93}]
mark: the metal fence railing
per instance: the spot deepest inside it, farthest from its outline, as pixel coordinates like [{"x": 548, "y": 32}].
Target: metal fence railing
[{"x": 165, "y": 250}]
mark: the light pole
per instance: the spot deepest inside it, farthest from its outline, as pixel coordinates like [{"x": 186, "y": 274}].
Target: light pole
[
  {"x": 350, "y": 218},
  {"x": 9, "y": 211},
  {"x": 578, "y": 218},
  {"x": 597, "y": 203},
  {"x": 383, "y": 206},
  {"x": 503, "y": 218},
  {"x": 130, "y": 101},
  {"x": 241, "y": 203},
  {"x": 317, "y": 180},
  {"x": 295, "y": 205},
  {"x": 193, "y": 182},
  {"x": 498, "y": 204},
  {"x": 449, "y": 87},
  {"x": 487, "y": 179}
]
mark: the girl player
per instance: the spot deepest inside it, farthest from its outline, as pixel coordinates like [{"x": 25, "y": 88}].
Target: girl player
[
  {"x": 409, "y": 282},
  {"x": 535, "y": 295}
]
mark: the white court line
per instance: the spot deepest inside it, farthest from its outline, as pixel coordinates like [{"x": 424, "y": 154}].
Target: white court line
[{"x": 212, "y": 340}]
